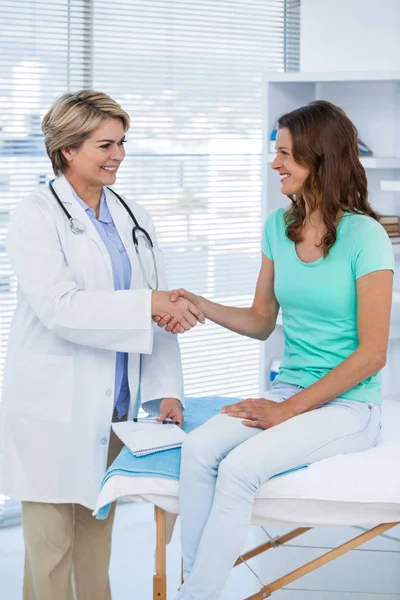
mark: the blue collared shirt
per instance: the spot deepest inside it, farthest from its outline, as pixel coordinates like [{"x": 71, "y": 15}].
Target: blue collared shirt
[{"x": 122, "y": 273}]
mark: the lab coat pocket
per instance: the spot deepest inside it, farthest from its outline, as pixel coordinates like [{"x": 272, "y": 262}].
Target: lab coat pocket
[{"x": 42, "y": 387}]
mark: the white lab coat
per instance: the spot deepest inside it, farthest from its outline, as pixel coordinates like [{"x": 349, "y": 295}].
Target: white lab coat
[{"x": 69, "y": 323}]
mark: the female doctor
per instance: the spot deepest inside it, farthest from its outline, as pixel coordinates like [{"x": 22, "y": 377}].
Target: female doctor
[{"x": 82, "y": 349}]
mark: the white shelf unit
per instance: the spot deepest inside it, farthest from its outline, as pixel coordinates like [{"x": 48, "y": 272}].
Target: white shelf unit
[
  {"x": 372, "y": 101},
  {"x": 390, "y": 186}
]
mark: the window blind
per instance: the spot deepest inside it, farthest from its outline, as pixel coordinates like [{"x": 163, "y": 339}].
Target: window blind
[{"x": 189, "y": 73}]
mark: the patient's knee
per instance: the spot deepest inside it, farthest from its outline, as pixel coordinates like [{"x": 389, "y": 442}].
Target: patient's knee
[
  {"x": 197, "y": 452},
  {"x": 236, "y": 470}
]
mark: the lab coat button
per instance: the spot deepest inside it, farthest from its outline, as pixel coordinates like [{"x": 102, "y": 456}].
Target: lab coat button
[
  {"x": 103, "y": 441},
  {"x": 108, "y": 392}
]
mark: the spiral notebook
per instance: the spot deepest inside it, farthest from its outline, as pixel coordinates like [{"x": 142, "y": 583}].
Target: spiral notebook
[{"x": 147, "y": 438}]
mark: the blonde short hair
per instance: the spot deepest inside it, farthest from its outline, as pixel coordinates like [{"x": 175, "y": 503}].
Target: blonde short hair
[{"x": 73, "y": 118}]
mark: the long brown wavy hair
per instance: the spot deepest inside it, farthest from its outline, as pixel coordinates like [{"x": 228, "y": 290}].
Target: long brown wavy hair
[{"x": 325, "y": 141}]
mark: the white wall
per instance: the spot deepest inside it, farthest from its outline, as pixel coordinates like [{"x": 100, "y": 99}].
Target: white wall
[{"x": 350, "y": 35}]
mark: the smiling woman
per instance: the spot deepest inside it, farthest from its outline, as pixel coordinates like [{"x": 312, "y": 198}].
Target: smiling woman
[
  {"x": 86, "y": 147},
  {"x": 328, "y": 263},
  {"x": 317, "y": 145},
  {"x": 82, "y": 348},
  {"x": 293, "y": 175},
  {"x": 95, "y": 163}
]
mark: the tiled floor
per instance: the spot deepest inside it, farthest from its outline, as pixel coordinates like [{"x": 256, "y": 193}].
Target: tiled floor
[{"x": 371, "y": 573}]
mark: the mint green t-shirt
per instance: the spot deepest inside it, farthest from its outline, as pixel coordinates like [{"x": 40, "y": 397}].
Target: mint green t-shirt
[{"x": 319, "y": 299}]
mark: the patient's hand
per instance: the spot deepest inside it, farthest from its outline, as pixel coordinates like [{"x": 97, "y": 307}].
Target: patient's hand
[
  {"x": 259, "y": 412},
  {"x": 170, "y": 322},
  {"x": 198, "y": 301},
  {"x": 181, "y": 313}
]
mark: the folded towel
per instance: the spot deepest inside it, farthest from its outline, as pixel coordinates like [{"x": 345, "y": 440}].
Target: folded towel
[{"x": 164, "y": 464}]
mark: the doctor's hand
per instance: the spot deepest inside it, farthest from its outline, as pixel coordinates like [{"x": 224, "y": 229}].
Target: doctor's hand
[
  {"x": 179, "y": 315},
  {"x": 259, "y": 412},
  {"x": 168, "y": 321},
  {"x": 171, "y": 408}
]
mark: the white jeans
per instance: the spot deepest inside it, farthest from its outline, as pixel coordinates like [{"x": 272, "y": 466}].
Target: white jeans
[{"x": 224, "y": 463}]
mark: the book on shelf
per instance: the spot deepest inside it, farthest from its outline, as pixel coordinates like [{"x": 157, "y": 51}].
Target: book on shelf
[
  {"x": 363, "y": 149},
  {"x": 394, "y": 238},
  {"x": 389, "y": 220},
  {"x": 391, "y": 224},
  {"x": 391, "y": 229}
]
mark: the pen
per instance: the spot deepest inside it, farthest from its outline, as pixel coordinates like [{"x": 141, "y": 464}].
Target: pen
[{"x": 165, "y": 422}]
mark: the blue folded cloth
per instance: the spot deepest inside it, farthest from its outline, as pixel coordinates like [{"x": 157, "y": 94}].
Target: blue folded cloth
[{"x": 167, "y": 463}]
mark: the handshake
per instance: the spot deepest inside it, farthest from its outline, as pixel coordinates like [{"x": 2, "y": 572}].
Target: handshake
[{"x": 177, "y": 311}]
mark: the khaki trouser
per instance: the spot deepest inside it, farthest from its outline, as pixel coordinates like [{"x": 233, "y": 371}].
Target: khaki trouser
[{"x": 67, "y": 550}]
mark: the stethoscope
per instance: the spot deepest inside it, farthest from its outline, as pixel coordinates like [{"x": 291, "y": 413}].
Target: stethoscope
[{"x": 138, "y": 233}]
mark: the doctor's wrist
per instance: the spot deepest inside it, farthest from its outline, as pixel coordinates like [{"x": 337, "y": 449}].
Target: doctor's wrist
[{"x": 158, "y": 299}]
